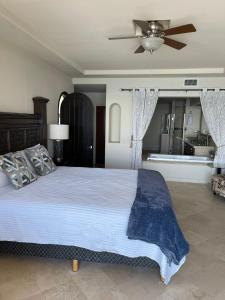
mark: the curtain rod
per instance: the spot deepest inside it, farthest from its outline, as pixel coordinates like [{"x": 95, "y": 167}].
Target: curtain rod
[{"x": 173, "y": 90}]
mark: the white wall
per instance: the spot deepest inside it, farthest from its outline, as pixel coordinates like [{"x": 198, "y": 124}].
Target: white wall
[
  {"x": 118, "y": 155},
  {"x": 24, "y": 76}
]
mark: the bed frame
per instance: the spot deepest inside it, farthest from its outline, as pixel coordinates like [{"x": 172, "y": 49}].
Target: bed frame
[{"x": 19, "y": 131}]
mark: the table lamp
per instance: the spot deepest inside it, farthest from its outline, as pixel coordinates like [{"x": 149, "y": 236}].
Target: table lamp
[{"x": 58, "y": 133}]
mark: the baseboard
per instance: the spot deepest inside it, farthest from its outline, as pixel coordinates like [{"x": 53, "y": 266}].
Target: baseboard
[{"x": 186, "y": 180}]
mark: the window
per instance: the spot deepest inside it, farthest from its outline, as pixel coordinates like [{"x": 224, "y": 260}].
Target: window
[{"x": 178, "y": 127}]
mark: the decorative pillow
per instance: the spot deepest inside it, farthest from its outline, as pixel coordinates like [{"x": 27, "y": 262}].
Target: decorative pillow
[
  {"x": 30, "y": 166},
  {"x": 15, "y": 166},
  {"x": 40, "y": 160}
]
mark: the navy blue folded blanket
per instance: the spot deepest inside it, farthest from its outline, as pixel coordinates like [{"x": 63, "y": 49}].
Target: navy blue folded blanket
[{"x": 152, "y": 218}]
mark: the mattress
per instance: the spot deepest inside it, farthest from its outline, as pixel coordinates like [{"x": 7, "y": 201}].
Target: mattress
[{"x": 82, "y": 207}]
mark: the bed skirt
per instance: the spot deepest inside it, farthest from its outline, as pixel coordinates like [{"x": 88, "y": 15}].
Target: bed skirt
[{"x": 72, "y": 252}]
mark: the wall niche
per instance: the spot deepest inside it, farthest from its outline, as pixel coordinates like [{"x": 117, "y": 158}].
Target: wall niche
[{"x": 114, "y": 123}]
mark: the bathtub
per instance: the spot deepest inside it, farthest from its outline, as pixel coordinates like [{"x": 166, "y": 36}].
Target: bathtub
[
  {"x": 180, "y": 158},
  {"x": 181, "y": 168}
]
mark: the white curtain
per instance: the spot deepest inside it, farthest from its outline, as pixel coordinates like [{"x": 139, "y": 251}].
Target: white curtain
[
  {"x": 213, "y": 107},
  {"x": 144, "y": 103}
]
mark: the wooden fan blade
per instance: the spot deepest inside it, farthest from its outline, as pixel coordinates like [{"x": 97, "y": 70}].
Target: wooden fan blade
[
  {"x": 143, "y": 24},
  {"x": 140, "y": 49},
  {"x": 174, "y": 44},
  {"x": 180, "y": 29},
  {"x": 122, "y": 37}
]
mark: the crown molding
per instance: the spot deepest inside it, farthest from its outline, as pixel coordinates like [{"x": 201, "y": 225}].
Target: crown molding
[{"x": 193, "y": 71}]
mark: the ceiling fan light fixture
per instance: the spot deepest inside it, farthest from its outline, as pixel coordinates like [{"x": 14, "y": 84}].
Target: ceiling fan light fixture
[{"x": 151, "y": 43}]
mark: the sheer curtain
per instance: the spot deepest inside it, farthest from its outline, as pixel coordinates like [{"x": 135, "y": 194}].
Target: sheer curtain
[
  {"x": 213, "y": 107},
  {"x": 144, "y": 103}
]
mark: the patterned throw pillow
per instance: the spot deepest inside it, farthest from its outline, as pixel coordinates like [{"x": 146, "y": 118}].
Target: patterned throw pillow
[
  {"x": 40, "y": 160},
  {"x": 15, "y": 166}
]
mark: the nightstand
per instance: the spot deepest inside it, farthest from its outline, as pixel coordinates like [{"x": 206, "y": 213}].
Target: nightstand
[{"x": 64, "y": 164}]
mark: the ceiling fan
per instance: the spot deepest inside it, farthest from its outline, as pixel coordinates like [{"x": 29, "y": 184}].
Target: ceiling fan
[{"x": 154, "y": 33}]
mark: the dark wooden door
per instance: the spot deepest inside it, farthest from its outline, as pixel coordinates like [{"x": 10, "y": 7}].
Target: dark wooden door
[
  {"x": 77, "y": 111},
  {"x": 100, "y": 137}
]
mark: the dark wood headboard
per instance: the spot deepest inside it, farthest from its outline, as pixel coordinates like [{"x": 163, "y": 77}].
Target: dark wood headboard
[{"x": 19, "y": 131}]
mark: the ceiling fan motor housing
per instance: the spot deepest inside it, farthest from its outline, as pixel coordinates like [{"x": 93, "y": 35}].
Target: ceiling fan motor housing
[{"x": 156, "y": 27}]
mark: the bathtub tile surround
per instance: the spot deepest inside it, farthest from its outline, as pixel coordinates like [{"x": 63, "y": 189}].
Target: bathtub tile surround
[
  {"x": 195, "y": 169},
  {"x": 204, "y": 150}
]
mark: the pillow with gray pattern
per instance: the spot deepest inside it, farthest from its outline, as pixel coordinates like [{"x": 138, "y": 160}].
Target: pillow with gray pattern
[
  {"x": 40, "y": 159},
  {"x": 15, "y": 166}
]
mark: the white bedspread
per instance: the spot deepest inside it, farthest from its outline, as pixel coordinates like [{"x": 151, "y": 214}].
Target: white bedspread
[{"x": 83, "y": 207}]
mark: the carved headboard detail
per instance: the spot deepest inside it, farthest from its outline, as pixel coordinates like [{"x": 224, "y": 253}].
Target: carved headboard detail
[{"x": 19, "y": 131}]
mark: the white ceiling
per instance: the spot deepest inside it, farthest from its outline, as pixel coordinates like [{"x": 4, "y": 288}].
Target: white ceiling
[{"x": 75, "y": 32}]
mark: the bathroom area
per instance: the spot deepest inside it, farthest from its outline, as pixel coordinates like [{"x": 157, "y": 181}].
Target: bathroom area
[{"x": 177, "y": 142}]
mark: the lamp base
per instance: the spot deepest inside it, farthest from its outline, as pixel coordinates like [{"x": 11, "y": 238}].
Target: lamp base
[{"x": 58, "y": 151}]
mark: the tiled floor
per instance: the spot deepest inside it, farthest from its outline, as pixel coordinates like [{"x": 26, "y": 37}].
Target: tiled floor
[{"x": 202, "y": 218}]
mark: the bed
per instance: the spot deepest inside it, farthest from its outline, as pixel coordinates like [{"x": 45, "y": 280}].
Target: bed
[{"x": 74, "y": 213}]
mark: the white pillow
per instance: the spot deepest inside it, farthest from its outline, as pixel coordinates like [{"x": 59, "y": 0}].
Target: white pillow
[{"x": 3, "y": 179}]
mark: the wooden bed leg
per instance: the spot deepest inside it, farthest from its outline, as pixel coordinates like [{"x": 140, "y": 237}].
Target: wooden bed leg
[{"x": 75, "y": 265}]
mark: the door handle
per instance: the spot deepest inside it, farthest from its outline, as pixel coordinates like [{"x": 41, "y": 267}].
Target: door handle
[{"x": 90, "y": 147}]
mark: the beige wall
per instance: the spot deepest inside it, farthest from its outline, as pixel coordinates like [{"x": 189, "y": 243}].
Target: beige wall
[{"x": 23, "y": 76}]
